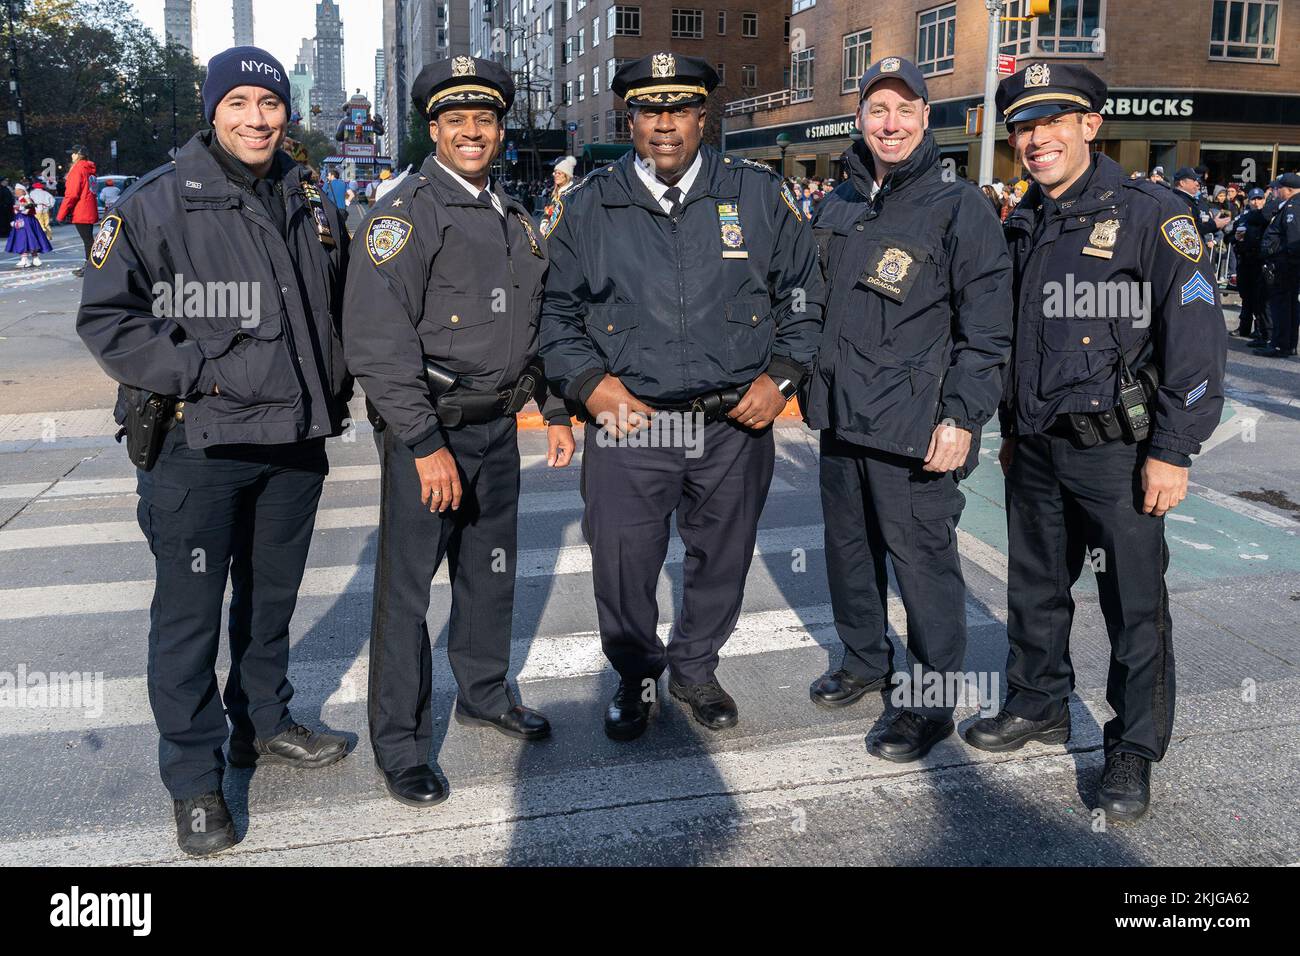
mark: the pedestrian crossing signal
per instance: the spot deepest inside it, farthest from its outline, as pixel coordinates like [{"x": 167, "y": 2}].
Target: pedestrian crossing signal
[{"x": 975, "y": 121}]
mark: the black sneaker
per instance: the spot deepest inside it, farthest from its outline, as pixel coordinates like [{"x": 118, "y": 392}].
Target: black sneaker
[
  {"x": 910, "y": 737},
  {"x": 1125, "y": 787},
  {"x": 1005, "y": 731},
  {"x": 710, "y": 704},
  {"x": 297, "y": 747},
  {"x": 203, "y": 824}
]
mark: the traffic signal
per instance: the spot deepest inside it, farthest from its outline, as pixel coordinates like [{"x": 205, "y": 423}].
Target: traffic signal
[{"x": 1039, "y": 7}]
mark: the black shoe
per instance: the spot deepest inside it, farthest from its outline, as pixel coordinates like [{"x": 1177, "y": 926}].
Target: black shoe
[
  {"x": 296, "y": 747},
  {"x": 710, "y": 704},
  {"x": 840, "y": 688},
  {"x": 1005, "y": 731},
  {"x": 1273, "y": 353},
  {"x": 910, "y": 737},
  {"x": 518, "y": 722},
  {"x": 1259, "y": 344},
  {"x": 628, "y": 713},
  {"x": 416, "y": 786},
  {"x": 1125, "y": 787},
  {"x": 79, "y": 271},
  {"x": 203, "y": 824}
]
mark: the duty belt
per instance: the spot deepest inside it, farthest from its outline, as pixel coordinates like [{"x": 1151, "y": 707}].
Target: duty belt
[{"x": 712, "y": 405}]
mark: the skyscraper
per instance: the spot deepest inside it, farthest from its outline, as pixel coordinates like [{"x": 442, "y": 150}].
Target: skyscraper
[
  {"x": 328, "y": 92},
  {"x": 179, "y": 22},
  {"x": 243, "y": 10},
  {"x": 380, "y": 81}
]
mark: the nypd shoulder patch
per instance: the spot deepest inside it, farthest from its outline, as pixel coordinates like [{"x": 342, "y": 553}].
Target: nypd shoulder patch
[
  {"x": 386, "y": 236},
  {"x": 549, "y": 222},
  {"x": 109, "y": 230},
  {"x": 789, "y": 201},
  {"x": 1183, "y": 236}
]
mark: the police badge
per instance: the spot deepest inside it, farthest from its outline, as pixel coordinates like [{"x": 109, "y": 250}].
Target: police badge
[
  {"x": 109, "y": 230},
  {"x": 890, "y": 277},
  {"x": 386, "y": 237},
  {"x": 663, "y": 65},
  {"x": 462, "y": 66},
  {"x": 1102, "y": 240},
  {"x": 1038, "y": 75},
  {"x": 733, "y": 236},
  {"x": 890, "y": 64},
  {"x": 1181, "y": 233}
]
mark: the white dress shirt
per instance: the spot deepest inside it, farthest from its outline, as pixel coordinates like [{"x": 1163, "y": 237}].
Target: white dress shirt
[
  {"x": 645, "y": 170},
  {"x": 471, "y": 188}
]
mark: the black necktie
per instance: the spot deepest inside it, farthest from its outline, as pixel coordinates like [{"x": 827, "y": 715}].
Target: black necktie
[{"x": 674, "y": 196}]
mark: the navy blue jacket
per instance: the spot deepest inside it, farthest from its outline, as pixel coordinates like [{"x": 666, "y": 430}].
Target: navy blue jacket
[
  {"x": 1281, "y": 239},
  {"x": 280, "y": 374},
  {"x": 918, "y": 316},
  {"x": 655, "y": 302},
  {"x": 1081, "y": 272}
]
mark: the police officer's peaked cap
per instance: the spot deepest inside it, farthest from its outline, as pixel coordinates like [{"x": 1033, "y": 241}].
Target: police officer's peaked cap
[
  {"x": 665, "y": 79},
  {"x": 1045, "y": 89},
  {"x": 1186, "y": 172},
  {"x": 894, "y": 68},
  {"x": 463, "y": 81},
  {"x": 1290, "y": 180}
]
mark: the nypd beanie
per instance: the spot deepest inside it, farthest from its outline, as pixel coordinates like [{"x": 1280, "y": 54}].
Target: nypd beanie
[{"x": 243, "y": 66}]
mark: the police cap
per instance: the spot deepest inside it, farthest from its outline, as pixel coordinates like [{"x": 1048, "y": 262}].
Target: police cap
[
  {"x": 1186, "y": 172},
  {"x": 894, "y": 68},
  {"x": 463, "y": 81},
  {"x": 1255, "y": 193},
  {"x": 664, "y": 80},
  {"x": 1289, "y": 180},
  {"x": 1043, "y": 89}
]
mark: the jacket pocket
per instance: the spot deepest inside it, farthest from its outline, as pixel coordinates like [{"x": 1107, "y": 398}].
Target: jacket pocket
[
  {"x": 1078, "y": 353},
  {"x": 464, "y": 330},
  {"x": 253, "y": 366},
  {"x": 877, "y": 395},
  {"x": 750, "y": 331},
  {"x": 612, "y": 327}
]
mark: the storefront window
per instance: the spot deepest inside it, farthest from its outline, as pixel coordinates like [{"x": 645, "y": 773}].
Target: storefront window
[{"x": 1246, "y": 164}]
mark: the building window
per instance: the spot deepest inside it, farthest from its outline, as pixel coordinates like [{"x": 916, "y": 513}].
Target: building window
[
  {"x": 581, "y": 45},
  {"x": 582, "y": 84},
  {"x": 623, "y": 21},
  {"x": 595, "y": 80},
  {"x": 616, "y": 126},
  {"x": 857, "y": 57},
  {"x": 595, "y": 31},
  {"x": 749, "y": 25},
  {"x": 936, "y": 38},
  {"x": 1244, "y": 30},
  {"x": 688, "y": 24},
  {"x": 722, "y": 23},
  {"x": 803, "y": 5},
  {"x": 722, "y": 73},
  {"x": 1073, "y": 28},
  {"x": 595, "y": 128},
  {"x": 567, "y": 95},
  {"x": 749, "y": 76},
  {"x": 611, "y": 67},
  {"x": 801, "y": 75}
]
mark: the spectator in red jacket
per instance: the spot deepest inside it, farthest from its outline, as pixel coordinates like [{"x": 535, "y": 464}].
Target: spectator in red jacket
[{"x": 79, "y": 204}]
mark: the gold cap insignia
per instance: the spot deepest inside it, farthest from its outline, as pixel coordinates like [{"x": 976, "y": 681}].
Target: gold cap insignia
[
  {"x": 1038, "y": 75},
  {"x": 462, "y": 66},
  {"x": 662, "y": 66},
  {"x": 890, "y": 64}
]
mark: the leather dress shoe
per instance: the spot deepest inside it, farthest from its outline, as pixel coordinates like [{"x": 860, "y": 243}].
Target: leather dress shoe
[
  {"x": 910, "y": 737},
  {"x": 1005, "y": 731},
  {"x": 297, "y": 747},
  {"x": 518, "y": 722},
  {"x": 416, "y": 786},
  {"x": 710, "y": 704},
  {"x": 1274, "y": 353},
  {"x": 1125, "y": 787},
  {"x": 628, "y": 712},
  {"x": 840, "y": 688},
  {"x": 203, "y": 824}
]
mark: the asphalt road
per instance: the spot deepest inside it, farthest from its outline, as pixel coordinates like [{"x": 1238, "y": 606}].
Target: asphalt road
[{"x": 791, "y": 784}]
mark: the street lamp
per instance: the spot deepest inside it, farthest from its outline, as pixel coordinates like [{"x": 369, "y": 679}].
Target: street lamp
[
  {"x": 15, "y": 87},
  {"x": 783, "y": 141}
]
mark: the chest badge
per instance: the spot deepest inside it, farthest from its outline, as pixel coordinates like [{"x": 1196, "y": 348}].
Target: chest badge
[
  {"x": 532, "y": 237},
  {"x": 1102, "y": 241},
  {"x": 891, "y": 273},
  {"x": 733, "y": 236}
]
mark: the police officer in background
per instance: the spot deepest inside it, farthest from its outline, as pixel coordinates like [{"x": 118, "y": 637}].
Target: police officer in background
[
  {"x": 1248, "y": 234},
  {"x": 1280, "y": 248},
  {"x": 918, "y": 329},
  {"x": 1101, "y": 415},
  {"x": 1187, "y": 187},
  {"x": 440, "y": 324},
  {"x": 251, "y": 385},
  {"x": 680, "y": 281}
]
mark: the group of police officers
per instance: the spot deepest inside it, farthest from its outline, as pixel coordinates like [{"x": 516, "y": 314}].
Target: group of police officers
[{"x": 675, "y": 285}]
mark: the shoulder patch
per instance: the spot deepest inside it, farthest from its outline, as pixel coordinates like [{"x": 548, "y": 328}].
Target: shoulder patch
[
  {"x": 109, "y": 230},
  {"x": 789, "y": 201},
  {"x": 550, "y": 222},
  {"x": 386, "y": 236},
  {"x": 1183, "y": 236}
]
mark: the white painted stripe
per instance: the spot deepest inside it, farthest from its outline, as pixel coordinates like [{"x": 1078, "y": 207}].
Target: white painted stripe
[
  {"x": 24, "y": 491},
  {"x": 343, "y": 681},
  {"x": 65, "y": 599},
  {"x": 1245, "y": 508}
]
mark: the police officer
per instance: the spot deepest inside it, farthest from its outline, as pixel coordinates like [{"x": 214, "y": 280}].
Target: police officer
[
  {"x": 213, "y": 295},
  {"x": 440, "y": 323},
  {"x": 1102, "y": 411},
  {"x": 1248, "y": 234},
  {"x": 684, "y": 294},
  {"x": 1280, "y": 248},
  {"x": 1187, "y": 187},
  {"x": 918, "y": 329}
]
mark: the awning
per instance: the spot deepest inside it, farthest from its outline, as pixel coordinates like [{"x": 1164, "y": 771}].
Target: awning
[{"x": 604, "y": 152}]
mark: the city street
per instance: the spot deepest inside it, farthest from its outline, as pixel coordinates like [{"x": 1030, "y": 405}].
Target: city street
[{"x": 791, "y": 784}]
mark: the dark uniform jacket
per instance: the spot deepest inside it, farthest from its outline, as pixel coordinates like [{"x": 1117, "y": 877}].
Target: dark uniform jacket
[
  {"x": 1075, "y": 263},
  {"x": 280, "y": 375},
  {"x": 1281, "y": 243},
  {"x": 658, "y": 304},
  {"x": 918, "y": 319},
  {"x": 1248, "y": 247},
  {"x": 440, "y": 274},
  {"x": 1200, "y": 211}
]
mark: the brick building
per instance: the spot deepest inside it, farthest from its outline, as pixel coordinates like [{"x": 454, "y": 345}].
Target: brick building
[
  {"x": 1192, "y": 81},
  {"x": 745, "y": 40}
]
